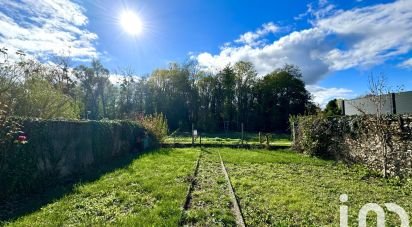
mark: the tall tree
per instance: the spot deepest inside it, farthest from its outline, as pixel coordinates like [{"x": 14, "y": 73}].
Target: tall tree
[
  {"x": 94, "y": 82},
  {"x": 227, "y": 79},
  {"x": 282, "y": 93},
  {"x": 245, "y": 80}
]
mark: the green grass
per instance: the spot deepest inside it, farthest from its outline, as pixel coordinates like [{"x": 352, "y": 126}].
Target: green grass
[
  {"x": 229, "y": 138},
  {"x": 149, "y": 191},
  {"x": 210, "y": 203},
  {"x": 287, "y": 189},
  {"x": 274, "y": 188}
]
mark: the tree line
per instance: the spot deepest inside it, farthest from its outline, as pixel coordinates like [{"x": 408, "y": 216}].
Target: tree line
[{"x": 184, "y": 94}]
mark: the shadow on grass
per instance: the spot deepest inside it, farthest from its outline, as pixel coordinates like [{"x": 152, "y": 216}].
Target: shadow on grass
[{"x": 21, "y": 205}]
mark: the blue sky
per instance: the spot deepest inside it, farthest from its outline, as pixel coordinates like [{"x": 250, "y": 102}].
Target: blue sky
[{"x": 337, "y": 44}]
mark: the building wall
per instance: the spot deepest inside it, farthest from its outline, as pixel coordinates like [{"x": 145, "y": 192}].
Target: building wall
[
  {"x": 403, "y": 102},
  {"x": 399, "y": 103}
]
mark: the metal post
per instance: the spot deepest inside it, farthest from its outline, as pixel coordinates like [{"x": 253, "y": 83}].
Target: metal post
[{"x": 193, "y": 135}]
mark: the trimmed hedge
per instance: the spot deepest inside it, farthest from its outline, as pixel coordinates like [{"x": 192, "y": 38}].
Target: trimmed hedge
[{"x": 57, "y": 149}]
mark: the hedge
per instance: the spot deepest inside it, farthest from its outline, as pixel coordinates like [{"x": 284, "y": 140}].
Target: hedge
[{"x": 58, "y": 149}]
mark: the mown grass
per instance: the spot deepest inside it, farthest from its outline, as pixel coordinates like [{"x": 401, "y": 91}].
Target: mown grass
[
  {"x": 287, "y": 189},
  {"x": 148, "y": 192},
  {"x": 210, "y": 204},
  {"x": 229, "y": 138},
  {"x": 274, "y": 188}
]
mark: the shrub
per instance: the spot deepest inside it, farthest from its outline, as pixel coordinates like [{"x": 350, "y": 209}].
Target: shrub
[
  {"x": 316, "y": 135},
  {"x": 155, "y": 124},
  {"x": 9, "y": 130}
]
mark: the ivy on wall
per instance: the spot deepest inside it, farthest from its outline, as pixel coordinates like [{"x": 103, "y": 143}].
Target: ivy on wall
[{"x": 56, "y": 149}]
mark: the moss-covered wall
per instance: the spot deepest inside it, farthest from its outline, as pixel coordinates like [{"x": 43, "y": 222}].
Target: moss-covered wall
[
  {"x": 354, "y": 140},
  {"x": 57, "y": 149}
]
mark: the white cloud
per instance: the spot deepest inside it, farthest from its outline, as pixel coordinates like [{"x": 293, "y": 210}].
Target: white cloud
[
  {"x": 322, "y": 95},
  {"x": 300, "y": 48},
  {"x": 406, "y": 64},
  {"x": 337, "y": 40},
  {"x": 46, "y": 28},
  {"x": 369, "y": 35},
  {"x": 253, "y": 38}
]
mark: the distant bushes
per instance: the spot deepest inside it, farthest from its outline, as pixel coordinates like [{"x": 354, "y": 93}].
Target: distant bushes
[{"x": 57, "y": 149}]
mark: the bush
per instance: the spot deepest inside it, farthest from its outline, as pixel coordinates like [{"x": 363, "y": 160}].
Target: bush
[
  {"x": 9, "y": 131},
  {"x": 316, "y": 135},
  {"x": 155, "y": 124}
]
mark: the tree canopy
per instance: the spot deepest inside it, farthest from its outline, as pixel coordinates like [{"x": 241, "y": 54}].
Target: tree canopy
[{"x": 184, "y": 94}]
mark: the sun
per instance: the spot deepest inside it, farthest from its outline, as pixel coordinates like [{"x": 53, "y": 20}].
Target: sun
[{"x": 131, "y": 22}]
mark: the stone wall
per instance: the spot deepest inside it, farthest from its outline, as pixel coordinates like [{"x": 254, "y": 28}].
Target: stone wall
[
  {"x": 354, "y": 140},
  {"x": 57, "y": 149}
]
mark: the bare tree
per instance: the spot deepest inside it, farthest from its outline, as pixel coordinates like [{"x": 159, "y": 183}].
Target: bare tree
[
  {"x": 378, "y": 97},
  {"x": 10, "y": 72},
  {"x": 378, "y": 90}
]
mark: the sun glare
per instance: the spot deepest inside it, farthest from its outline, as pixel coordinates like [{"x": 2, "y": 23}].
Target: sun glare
[{"x": 131, "y": 23}]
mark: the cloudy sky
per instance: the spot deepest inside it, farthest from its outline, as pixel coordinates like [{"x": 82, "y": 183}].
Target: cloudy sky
[{"x": 337, "y": 44}]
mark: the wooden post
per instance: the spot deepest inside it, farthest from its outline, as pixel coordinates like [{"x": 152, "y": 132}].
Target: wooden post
[
  {"x": 193, "y": 135},
  {"x": 293, "y": 132},
  {"x": 267, "y": 140},
  {"x": 242, "y": 133},
  {"x": 260, "y": 138}
]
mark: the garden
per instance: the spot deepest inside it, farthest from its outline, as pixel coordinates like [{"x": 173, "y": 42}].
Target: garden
[
  {"x": 182, "y": 118},
  {"x": 171, "y": 187}
]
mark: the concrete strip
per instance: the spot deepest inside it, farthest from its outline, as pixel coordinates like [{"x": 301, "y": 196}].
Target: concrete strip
[{"x": 236, "y": 209}]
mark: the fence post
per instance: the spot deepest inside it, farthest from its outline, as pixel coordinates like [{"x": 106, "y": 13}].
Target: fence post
[
  {"x": 293, "y": 132},
  {"x": 193, "y": 135},
  {"x": 267, "y": 140},
  {"x": 242, "y": 133},
  {"x": 260, "y": 138}
]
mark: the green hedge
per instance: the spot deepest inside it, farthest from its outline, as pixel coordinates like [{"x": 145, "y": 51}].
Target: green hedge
[
  {"x": 322, "y": 136},
  {"x": 57, "y": 149}
]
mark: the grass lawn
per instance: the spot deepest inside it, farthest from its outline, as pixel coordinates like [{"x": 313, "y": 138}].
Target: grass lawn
[
  {"x": 149, "y": 191},
  {"x": 229, "y": 138},
  {"x": 274, "y": 188},
  {"x": 286, "y": 189},
  {"x": 210, "y": 203}
]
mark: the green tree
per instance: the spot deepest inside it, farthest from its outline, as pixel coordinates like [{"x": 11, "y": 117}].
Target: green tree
[
  {"x": 245, "y": 80},
  {"x": 94, "y": 82},
  {"x": 227, "y": 79},
  {"x": 39, "y": 98},
  {"x": 280, "y": 94}
]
